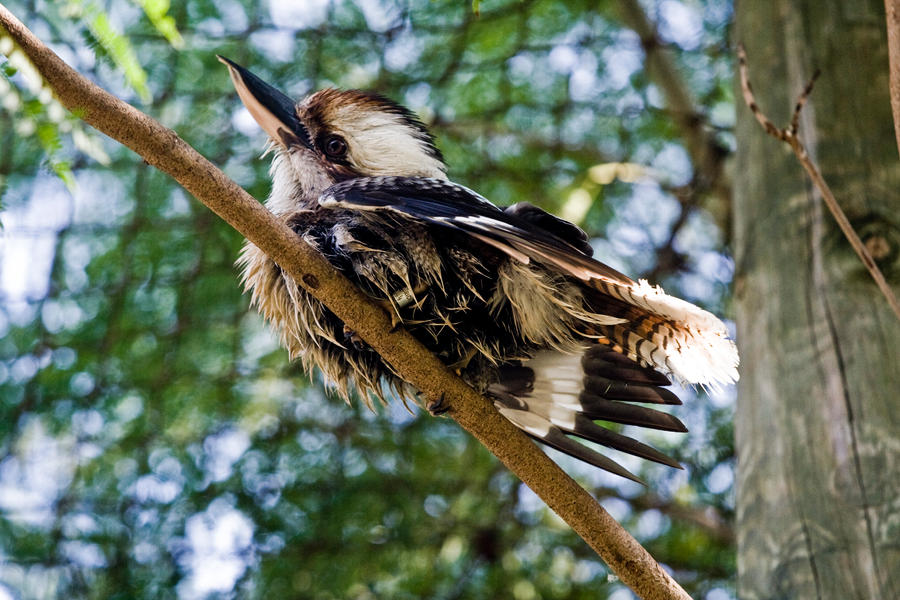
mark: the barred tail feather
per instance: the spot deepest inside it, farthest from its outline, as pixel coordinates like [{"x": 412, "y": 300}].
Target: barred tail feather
[{"x": 670, "y": 334}]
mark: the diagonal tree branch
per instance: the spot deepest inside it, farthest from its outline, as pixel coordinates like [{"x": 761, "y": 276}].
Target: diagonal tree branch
[
  {"x": 789, "y": 136},
  {"x": 162, "y": 148}
]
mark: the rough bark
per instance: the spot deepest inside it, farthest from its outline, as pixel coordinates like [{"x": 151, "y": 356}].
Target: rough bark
[
  {"x": 817, "y": 422},
  {"x": 892, "y": 17},
  {"x": 162, "y": 148}
]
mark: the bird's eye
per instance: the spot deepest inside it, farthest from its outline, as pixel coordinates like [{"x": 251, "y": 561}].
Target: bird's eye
[{"x": 335, "y": 146}]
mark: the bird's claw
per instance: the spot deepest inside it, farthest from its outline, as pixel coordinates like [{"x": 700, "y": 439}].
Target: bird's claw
[
  {"x": 352, "y": 338},
  {"x": 459, "y": 366},
  {"x": 438, "y": 407},
  {"x": 403, "y": 299},
  {"x": 396, "y": 321}
]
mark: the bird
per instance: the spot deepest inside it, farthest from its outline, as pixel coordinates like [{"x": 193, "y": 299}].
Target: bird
[{"x": 510, "y": 298}]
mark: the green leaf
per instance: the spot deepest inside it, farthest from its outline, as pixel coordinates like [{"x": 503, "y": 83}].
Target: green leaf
[
  {"x": 156, "y": 11},
  {"x": 118, "y": 47}
]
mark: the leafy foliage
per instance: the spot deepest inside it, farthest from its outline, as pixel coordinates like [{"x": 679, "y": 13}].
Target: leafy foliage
[{"x": 157, "y": 443}]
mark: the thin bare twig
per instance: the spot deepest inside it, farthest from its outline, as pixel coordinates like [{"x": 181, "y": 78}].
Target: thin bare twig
[
  {"x": 801, "y": 100},
  {"x": 790, "y": 137},
  {"x": 162, "y": 148}
]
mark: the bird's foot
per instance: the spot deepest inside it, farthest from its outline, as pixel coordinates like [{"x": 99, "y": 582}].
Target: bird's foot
[
  {"x": 438, "y": 407},
  {"x": 402, "y": 299},
  {"x": 352, "y": 338},
  {"x": 460, "y": 365},
  {"x": 396, "y": 320}
]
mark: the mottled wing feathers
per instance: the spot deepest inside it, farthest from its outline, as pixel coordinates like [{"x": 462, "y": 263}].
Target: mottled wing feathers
[
  {"x": 450, "y": 205},
  {"x": 561, "y": 228},
  {"x": 679, "y": 337}
]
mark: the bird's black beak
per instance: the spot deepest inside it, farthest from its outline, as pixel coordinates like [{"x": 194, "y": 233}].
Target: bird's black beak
[{"x": 275, "y": 112}]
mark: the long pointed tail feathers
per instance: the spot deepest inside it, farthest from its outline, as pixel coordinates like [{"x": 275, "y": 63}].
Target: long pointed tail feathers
[{"x": 554, "y": 395}]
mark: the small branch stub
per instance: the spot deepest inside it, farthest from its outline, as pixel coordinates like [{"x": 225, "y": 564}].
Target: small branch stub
[{"x": 310, "y": 281}]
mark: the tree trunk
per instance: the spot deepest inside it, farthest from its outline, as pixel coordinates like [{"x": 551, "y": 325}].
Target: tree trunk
[{"x": 818, "y": 419}]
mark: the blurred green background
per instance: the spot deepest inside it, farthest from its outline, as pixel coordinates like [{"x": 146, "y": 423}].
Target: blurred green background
[{"x": 154, "y": 440}]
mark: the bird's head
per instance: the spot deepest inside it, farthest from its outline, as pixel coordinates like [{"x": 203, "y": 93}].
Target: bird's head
[{"x": 334, "y": 135}]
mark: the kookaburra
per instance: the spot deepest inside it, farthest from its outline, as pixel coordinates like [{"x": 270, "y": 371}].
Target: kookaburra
[{"x": 510, "y": 298}]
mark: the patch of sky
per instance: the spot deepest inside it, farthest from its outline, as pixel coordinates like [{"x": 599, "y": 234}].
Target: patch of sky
[
  {"x": 719, "y": 594},
  {"x": 650, "y": 209},
  {"x": 83, "y": 554},
  {"x": 222, "y": 450},
  {"x": 417, "y": 96},
  {"x": 629, "y": 104},
  {"x": 155, "y": 489},
  {"x": 403, "y": 51},
  {"x": 123, "y": 15},
  {"x": 379, "y": 14},
  {"x": 681, "y": 24},
  {"x": 649, "y": 525},
  {"x": 398, "y": 414},
  {"x": 673, "y": 161},
  {"x": 299, "y": 15},
  {"x": 78, "y": 524},
  {"x": 354, "y": 462},
  {"x": 586, "y": 570},
  {"x": 77, "y": 254},
  {"x": 100, "y": 198},
  {"x": 257, "y": 340},
  {"x": 34, "y": 475},
  {"x": 521, "y": 67},
  {"x": 720, "y": 479},
  {"x": 233, "y": 15},
  {"x": 621, "y": 59},
  {"x": 608, "y": 253},
  {"x": 563, "y": 58},
  {"x": 727, "y": 396},
  {"x": 58, "y": 314},
  {"x": 584, "y": 84},
  {"x": 315, "y": 441},
  {"x": 279, "y": 45},
  {"x": 129, "y": 407},
  {"x": 619, "y": 509},
  {"x": 31, "y": 222},
  {"x": 64, "y": 357},
  {"x": 87, "y": 423},
  {"x": 218, "y": 550},
  {"x": 622, "y": 593}
]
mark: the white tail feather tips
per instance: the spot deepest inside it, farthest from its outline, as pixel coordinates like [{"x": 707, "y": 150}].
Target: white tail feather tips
[
  {"x": 655, "y": 299},
  {"x": 710, "y": 359},
  {"x": 703, "y": 354}
]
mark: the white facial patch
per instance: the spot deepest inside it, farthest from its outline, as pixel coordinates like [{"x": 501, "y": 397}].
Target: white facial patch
[{"x": 383, "y": 143}]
